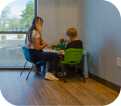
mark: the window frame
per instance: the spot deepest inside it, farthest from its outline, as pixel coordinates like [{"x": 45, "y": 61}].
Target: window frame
[{"x": 21, "y": 32}]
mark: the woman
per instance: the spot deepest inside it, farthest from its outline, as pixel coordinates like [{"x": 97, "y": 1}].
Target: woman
[{"x": 36, "y": 45}]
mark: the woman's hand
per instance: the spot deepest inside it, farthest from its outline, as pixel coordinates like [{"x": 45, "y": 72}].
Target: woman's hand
[
  {"x": 45, "y": 44},
  {"x": 61, "y": 52},
  {"x": 42, "y": 46}
]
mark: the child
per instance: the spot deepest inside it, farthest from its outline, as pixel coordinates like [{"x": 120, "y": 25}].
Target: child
[{"x": 74, "y": 42}]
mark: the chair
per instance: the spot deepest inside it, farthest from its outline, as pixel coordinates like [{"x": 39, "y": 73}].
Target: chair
[
  {"x": 28, "y": 57},
  {"x": 72, "y": 57}
]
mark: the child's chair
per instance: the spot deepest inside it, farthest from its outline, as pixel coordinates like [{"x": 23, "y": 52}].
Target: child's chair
[{"x": 72, "y": 57}]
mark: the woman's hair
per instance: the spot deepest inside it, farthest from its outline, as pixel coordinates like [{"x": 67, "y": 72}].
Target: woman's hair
[
  {"x": 71, "y": 32},
  {"x": 33, "y": 27}
]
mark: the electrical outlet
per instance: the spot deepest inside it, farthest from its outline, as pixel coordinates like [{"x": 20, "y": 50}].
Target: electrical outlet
[{"x": 118, "y": 61}]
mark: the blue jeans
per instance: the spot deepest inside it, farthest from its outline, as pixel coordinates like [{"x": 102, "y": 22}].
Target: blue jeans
[{"x": 51, "y": 58}]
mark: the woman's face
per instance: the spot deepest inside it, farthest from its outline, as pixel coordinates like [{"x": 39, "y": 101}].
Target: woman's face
[{"x": 38, "y": 25}]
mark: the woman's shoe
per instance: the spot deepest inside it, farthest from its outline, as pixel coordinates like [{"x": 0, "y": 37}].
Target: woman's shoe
[{"x": 50, "y": 76}]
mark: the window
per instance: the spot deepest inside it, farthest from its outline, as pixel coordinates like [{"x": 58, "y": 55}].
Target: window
[
  {"x": 15, "y": 18},
  {"x": 16, "y": 15},
  {"x": 10, "y": 50}
]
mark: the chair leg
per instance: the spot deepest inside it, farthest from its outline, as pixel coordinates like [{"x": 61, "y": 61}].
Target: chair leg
[
  {"x": 25, "y": 64},
  {"x": 83, "y": 76},
  {"x": 81, "y": 71},
  {"x": 29, "y": 72},
  {"x": 64, "y": 73},
  {"x": 84, "y": 79},
  {"x": 24, "y": 68},
  {"x": 82, "y": 65},
  {"x": 21, "y": 73}
]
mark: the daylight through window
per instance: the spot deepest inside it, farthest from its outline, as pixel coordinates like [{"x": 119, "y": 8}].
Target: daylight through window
[{"x": 16, "y": 15}]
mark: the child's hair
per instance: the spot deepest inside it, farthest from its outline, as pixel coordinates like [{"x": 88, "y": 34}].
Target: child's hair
[{"x": 71, "y": 32}]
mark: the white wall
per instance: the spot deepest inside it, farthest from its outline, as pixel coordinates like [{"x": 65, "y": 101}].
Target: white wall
[
  {"x": 59, "y": 15},
  {"x": 99, "y": 25},
  {"x": 103, "y": 38}
]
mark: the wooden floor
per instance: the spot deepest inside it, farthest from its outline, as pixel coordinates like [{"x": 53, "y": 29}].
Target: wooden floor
[{"x": 35, "y": 91}]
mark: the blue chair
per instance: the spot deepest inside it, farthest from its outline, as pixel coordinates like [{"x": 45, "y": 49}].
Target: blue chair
[{"x": 28, "y": 57}]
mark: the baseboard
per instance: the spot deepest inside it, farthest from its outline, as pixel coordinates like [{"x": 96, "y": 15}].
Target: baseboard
[
  {"x": 105, "y": 82},
  {"x": 13, "y": 69}
]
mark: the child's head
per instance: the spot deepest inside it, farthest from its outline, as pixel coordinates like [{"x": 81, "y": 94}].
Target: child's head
[{"x": 71, "y": 33}]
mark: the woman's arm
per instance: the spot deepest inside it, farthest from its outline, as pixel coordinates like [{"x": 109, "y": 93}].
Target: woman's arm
[{"x": 38, "y": 45}]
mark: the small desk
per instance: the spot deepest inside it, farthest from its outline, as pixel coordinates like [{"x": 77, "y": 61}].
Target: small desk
[
  {"x": 51, "y": 51},
  {"x": 86, "y": 68},
  {"x": 54, "y": 51}
]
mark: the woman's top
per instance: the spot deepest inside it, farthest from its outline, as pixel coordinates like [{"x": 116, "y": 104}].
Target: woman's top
[{"x": 35, "y": 41}]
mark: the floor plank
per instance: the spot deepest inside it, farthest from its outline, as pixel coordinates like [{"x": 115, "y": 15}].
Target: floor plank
[{"x": 35, "y": 91}]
